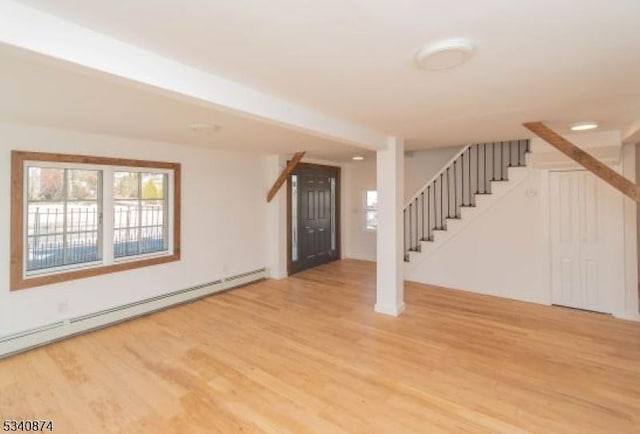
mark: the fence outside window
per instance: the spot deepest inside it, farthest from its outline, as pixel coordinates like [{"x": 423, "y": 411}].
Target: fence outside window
[{"x": 138, "y": 230}]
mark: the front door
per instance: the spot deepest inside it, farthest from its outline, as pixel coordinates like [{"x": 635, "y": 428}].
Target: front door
[{"x": 313, "y": 210}]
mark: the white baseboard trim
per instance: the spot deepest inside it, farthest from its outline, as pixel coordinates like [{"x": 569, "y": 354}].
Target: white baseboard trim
[
  {"x": 392, "y": 310},
  {"x": 629, "y": 316},
  {"x": 273, "y": 273},
  {"x": 28, "y": 339},
  {"x": 361, "y": 257}
]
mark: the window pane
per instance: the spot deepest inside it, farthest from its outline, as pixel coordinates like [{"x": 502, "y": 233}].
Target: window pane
[
  {"x": 45, "y": 184},
  {"x": 82, "y": 217},
  {"x": 126, "y": 185},
  {"x": 372, "y": 219},
  {"x": 140, "y": 214},
  {"x": 62, "y": 217},
  {"x": 45, "y": 218},
  {"x": 81, "y": 238},
  {"x": 60, "y": 234},
  {"x": 152, "y": 186},
  {"x": 45, "y": 252},
  {"x": 82, "y": 184},
  {"x": 372, "y": 199},
  {"x": 294, "y": 218},
  {"x": 152, "y": 234},
  {"x": 45, "y": 235},
  {"x": 333, "y": 213},
  {"x": 125, "y": 214}
]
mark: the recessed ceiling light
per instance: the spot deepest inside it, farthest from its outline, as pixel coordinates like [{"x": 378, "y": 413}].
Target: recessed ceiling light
[
  {"x": 444, "y": 54},
  {"x": 583, "y": 126},
  {"x": 357, "y": 158},
  {"x": 204, "y": 128}
]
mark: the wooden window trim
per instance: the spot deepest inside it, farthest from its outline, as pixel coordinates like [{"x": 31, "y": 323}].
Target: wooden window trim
[{"x": 18, "y": 158}]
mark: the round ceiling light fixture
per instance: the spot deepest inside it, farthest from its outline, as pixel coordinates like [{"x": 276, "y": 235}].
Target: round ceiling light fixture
[
  {"x": 204, "y": 128},
  {"x": 584, "y": 126},
  {"x": 445, "y": 54},
  {"x": 357, "y": 158}
]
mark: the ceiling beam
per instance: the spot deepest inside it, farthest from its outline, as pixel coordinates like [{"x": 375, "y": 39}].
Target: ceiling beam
[
  {"x": 291, "y": 165},
  {"x": 30, "y": 29},
  {"x": 585, "y": 159}
]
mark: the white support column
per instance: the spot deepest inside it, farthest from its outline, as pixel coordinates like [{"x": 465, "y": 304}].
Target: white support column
[
  {"x": 627, "y": 306},
  {"x": 390, "y": 267},
  {"x": 276, "y": 223}
]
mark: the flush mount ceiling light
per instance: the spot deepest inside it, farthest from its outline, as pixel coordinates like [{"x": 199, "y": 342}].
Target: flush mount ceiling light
[
  {"x": 584, "y": 126},
  {"x": 444, "y": 54},
  {"x": 204, "y": 128},
  {"x": 357, "y": 158}
]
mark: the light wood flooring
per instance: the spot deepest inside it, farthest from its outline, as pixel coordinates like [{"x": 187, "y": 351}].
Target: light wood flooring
[{"x": 308, "y": 354}]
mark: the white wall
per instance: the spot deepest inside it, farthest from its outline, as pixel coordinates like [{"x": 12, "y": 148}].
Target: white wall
[
  {"x": 276, "y": 223},
  {"x": 637, "y": 149},
  {"x": 359, "y": 242},
  {"x": 223, "y": 214},
  {"x": 502, "y": 252},
  {"x": 421, "y": 166},
  {"x": 360, "y": 176}
]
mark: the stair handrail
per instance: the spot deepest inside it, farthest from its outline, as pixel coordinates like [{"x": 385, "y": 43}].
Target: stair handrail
[{"x": 441, "y": 171}]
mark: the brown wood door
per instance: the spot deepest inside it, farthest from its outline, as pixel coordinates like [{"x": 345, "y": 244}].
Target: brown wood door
[{"x": 314, "y": 214}]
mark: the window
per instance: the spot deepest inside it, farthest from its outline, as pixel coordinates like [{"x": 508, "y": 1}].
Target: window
[
  {"x": 75, "y": 216},
  {"x": 371, "y": 210},
  {"x": 140, "y": 213},
  {"x": 63, "y": 208},
  {"x": 294, "y": 218}
]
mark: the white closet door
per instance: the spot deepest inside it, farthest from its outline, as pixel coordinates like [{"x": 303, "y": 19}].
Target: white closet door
[{"x": 583, "y": 229}]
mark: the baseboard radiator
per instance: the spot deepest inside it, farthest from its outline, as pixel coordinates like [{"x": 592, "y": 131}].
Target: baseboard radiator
[{"x": 28, "y": 339}]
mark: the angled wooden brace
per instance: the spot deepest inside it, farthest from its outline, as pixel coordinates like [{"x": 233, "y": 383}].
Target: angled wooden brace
[
  {"x": 585, "y": 159},
  {"x": 285, "y": 174}
]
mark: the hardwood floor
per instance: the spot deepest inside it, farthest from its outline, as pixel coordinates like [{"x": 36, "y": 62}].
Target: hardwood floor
[{"x": 308, "y": 354}]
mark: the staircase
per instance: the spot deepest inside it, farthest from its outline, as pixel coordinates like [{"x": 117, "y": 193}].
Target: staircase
[{"x": 469, "y": 174}]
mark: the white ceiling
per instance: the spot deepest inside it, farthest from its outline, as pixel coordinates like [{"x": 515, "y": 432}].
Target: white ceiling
[
  {"x": 560, "y": 61},
  {"x": 44, "y": 92}
]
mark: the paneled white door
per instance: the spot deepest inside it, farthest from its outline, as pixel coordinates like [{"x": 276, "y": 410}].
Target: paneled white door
[{"x": 584, "y": 241}]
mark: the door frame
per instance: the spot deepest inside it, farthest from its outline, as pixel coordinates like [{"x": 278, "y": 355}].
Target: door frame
[
  {"x": 617, "y": 295},
  {"x": 338, "y": 172}
]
